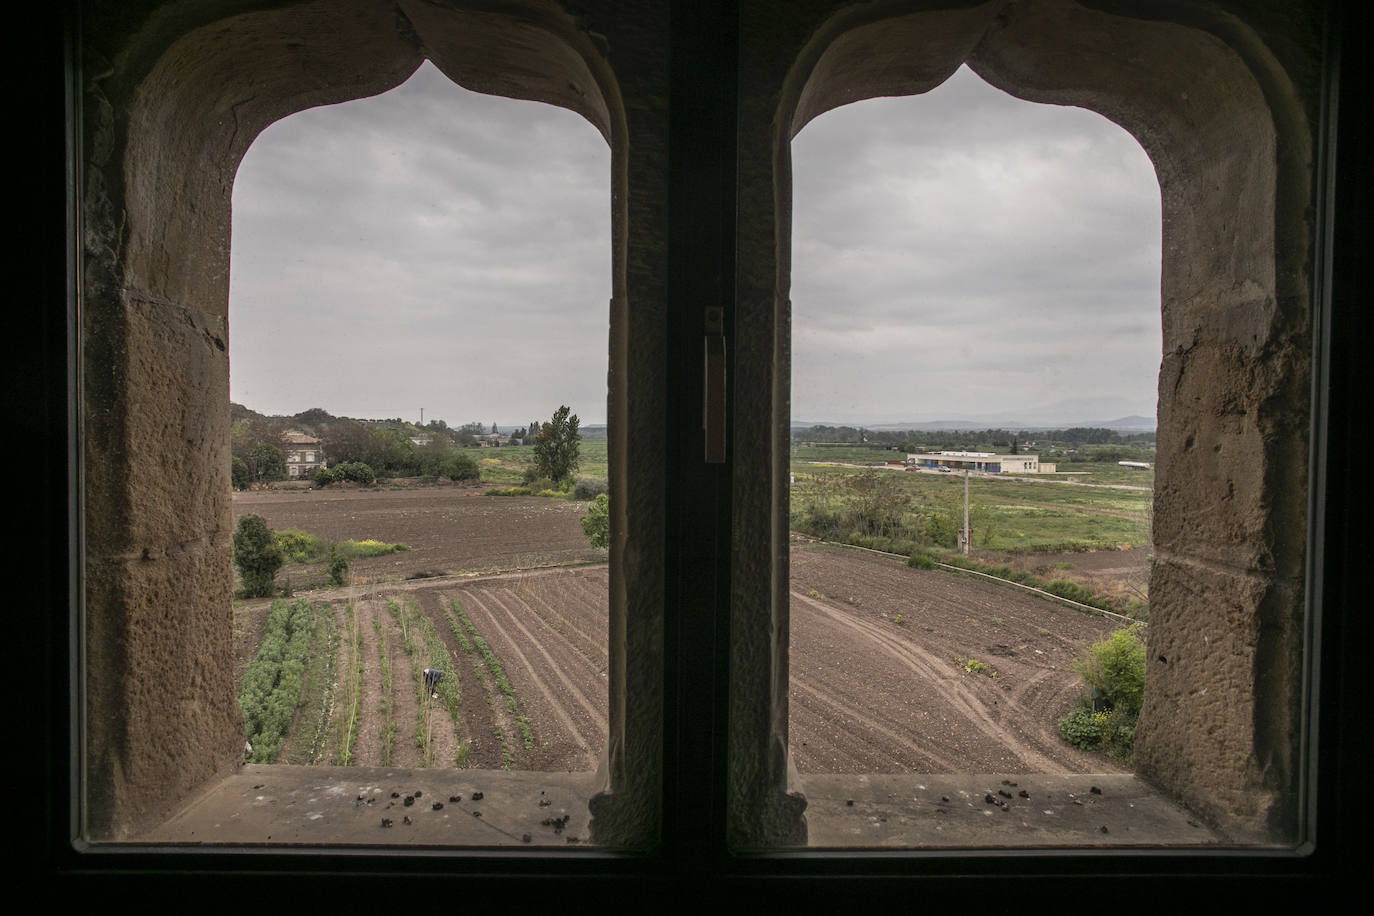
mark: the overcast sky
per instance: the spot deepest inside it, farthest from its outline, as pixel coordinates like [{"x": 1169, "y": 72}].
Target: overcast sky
[{"x": 960, "y": 254}]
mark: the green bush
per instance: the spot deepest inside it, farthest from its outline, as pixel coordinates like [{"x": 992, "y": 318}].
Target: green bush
[
  {"x": 587, "y": 488},
  {"x": 1072, "y": 591},
  {"x": 459, "y": 466},
  {"x": 534, "y": 482},
  {"x": 1080, "y": 729},
  {"x": 239, "y": 475},
  {"x": 354, "y": 550},
  {"x": 299, "y": 546},
  {"x": 597, "y": 522},
  {"x": 338, "y": 568},
  {"x": 1116, "y": 667},
  {"x": 354, "y": 471},
  {"x": 922, "y": 561},
  {"x": 257, "y": 556}
]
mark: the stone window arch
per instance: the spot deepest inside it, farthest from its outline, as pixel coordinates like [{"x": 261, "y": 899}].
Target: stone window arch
[
  {"x": 168, "y": 115},
  {"x": 1233, "y": 151}
]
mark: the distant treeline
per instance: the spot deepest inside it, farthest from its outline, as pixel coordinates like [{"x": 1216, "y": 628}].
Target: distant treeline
[
  {"x": 912, "y": 440},
  {"x": 386, "y": 447}
]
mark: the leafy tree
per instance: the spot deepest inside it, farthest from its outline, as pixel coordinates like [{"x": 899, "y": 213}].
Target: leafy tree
[
  {"x": 556, "y": 446},
  {"x": 347, "y": 440},
  {"x": 239, "y": 474},
  {"x": 596, "y": 524},
  {"x": 467, "y": 434},
  {"x": 257, "y": 555},
  {"x": 265, "y": 462}
]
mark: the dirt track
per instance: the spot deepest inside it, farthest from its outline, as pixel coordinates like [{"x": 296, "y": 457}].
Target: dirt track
[{"x": 878, "y": 654}]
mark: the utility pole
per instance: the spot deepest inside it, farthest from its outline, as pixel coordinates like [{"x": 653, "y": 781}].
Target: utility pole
[
  {"x": 966, "y": 532},
  {"x": 422, "y": 418}
]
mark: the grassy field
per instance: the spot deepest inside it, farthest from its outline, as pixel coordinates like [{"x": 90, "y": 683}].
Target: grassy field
[
  {"x": 1008, "y": 513},
  {"x": 507, "y": 465}
]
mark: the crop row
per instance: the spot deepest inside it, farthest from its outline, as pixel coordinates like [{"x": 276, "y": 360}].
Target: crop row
[
  {"x": 513, "y": 705},
  {"x": 271, "y": 687}
]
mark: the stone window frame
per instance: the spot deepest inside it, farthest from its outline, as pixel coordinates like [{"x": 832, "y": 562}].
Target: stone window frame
[
  {"x": 644, "y": 287},
  {"x": 1240, "y": 295},
  {"x": 165, "y": 121}
]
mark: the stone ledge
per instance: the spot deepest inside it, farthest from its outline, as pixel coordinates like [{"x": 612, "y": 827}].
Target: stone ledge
[{"x": 333, "y": 806}]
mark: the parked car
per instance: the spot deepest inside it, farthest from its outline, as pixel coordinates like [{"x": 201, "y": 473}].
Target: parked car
[{"x": 943, "y": 469}]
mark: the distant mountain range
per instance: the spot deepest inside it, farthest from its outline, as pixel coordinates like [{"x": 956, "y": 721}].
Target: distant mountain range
[
  {"x": 1132, "y": 423},
  {"x": 1131, "y": 416}
]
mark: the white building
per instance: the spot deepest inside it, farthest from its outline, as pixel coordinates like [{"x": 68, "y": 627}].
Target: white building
[{"x": 987, "y": 462}]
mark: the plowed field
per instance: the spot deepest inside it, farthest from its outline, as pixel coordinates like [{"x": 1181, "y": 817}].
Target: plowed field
[{"x": 882, "y": 656}]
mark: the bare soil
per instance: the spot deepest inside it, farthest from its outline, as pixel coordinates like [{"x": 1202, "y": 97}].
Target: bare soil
[
  {"x": 1109, "y": 573},
  {"x": 879, "y": 674},
  {"x": 448, "y": 529},
  {"x": 880, "y": 653}
]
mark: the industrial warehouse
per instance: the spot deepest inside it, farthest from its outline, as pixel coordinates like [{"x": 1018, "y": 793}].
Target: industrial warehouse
[{"x": 987, "y": 462}]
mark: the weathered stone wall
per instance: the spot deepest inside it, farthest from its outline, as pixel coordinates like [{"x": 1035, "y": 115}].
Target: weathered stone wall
[
  {"x": 173, "y": 97},
  {"x": 173, "y": 93}
]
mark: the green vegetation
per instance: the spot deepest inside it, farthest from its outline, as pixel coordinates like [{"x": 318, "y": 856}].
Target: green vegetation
[
  {"x": 597, "y": 522},
  {"x": 556, "y": 446},
  {"x": 271, "y": 687},
  {"x": 974, "y": 666},
  {"x": 388, "y": 705},
  {"x": 306, "y": 746},
  {"x": 256, "y": 555},
  {"x": 498, "y": 674},
  {"x": 299, "y": 546},
  {"x": 509, "y": 465},
  {"x": 338, "y": 568},
  {"x": 447, "y": 688},
  {"x": 1062, "y": 588},
  {"x": 355, "y": 688},
  {"x": 360, "y": 550},
  {"x": 1115, "y": 671}
]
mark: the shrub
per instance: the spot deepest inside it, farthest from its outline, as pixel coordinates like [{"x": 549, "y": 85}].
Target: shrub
[
  {"x": 338, "y": 568},
  {"x": 239, "y": 475},
  {"x": 1080, "y": 728},
  {"x": 353, "y": 550},
  {"x": 921, "y": 561},
  {"x": 354, "y": 471},
  {"x": 459, "y": 466},
  {"x": 588, "y": 488},
  {"x": 256, "y": 555},
  {"x": 1116, "y": 666},
  {"x": 1072, "y": 591},
  {"x": 299, "y": 546},
  {"x": 597, "y": 522},
  {"x": 534, "y": 482}
]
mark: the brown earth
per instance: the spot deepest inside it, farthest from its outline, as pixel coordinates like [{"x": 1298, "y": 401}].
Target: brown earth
[
  {"x": 1121, "y": 573},
  {"x": 878, "y": 657},
  {"x": 878, "y": 674},
  {"x": 448, "y": 529}
]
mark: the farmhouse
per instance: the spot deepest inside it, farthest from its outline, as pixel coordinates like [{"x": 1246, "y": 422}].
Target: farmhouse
[
  {"x": 987, "y": 462},
  {"x": 302, "y": 453}
]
